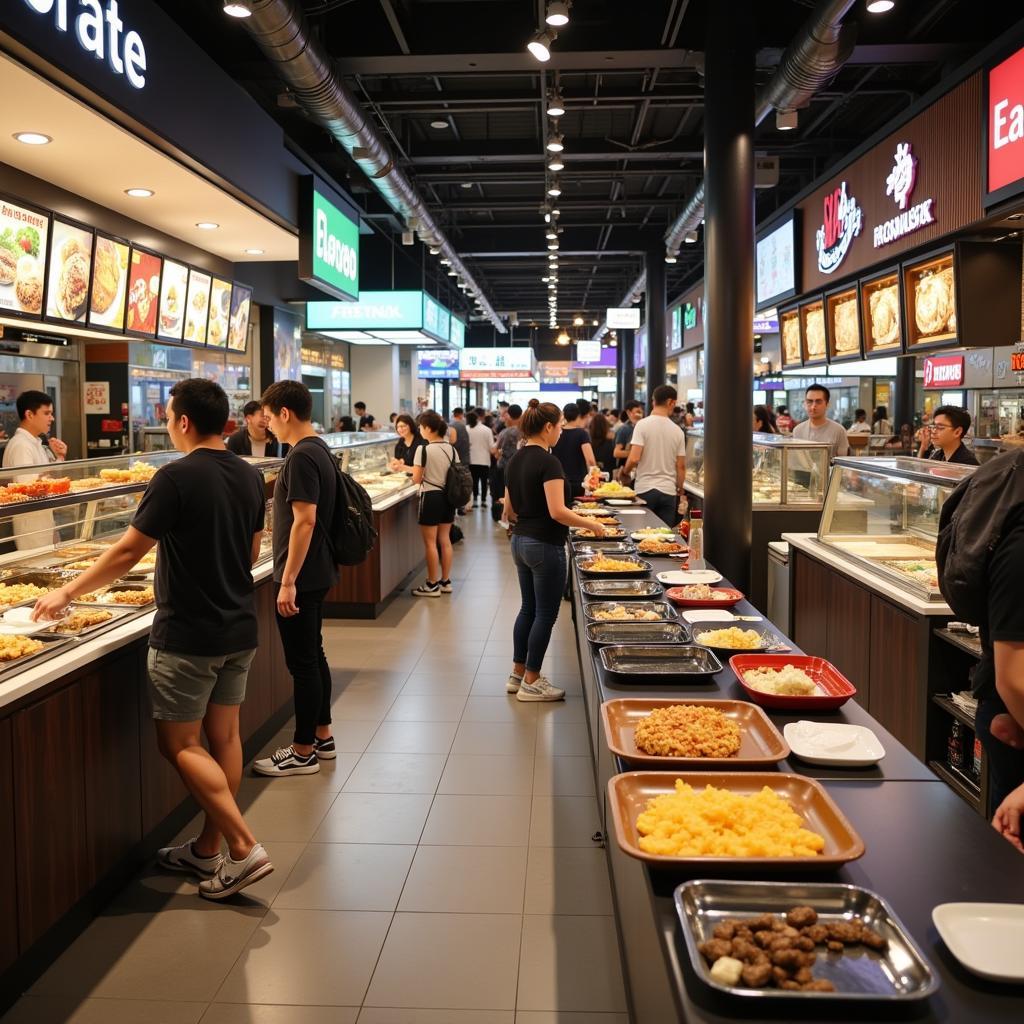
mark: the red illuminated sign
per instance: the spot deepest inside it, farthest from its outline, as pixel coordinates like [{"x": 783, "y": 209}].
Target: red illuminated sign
[
  {"x": 1017, "y": 362},
  {"x": 1006, "y": 123},
  {"x": 943, "y": 371}
]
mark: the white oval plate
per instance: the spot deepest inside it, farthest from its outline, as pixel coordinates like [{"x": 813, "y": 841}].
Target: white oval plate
[
  {"x": 664, "y": 537},
  {"x": 680, "y": 577},
  {"x": 709, "y": 615},
  {"x": 834, "y": 743},
  {"x": 618, "y": 501},
  {"x": 985, "y": 937},
  {"x": 17, "y": 622}
]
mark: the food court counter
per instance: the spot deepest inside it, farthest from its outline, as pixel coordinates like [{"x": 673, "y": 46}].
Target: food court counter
[{"x": 923, "y": 847}]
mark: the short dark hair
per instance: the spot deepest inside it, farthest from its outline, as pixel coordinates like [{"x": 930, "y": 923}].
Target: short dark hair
[
  {"x": 203, "y": 402},
  {"x": 571, "y": 411},
  {"x": 292, "y": 395},
  {"x": 664, "y": 393},
  {"x": 957, "y": 417},
  {"x": 633, "y": 405},
  {"x": 433, "y": 421},
  {"x": 458, "y": 411},
  {"x": 472, "y": 419},
  {"x": 820, "y": 387},
  {"x": 32, "y": 401},
  {"x": 584, "y": 406},
  {"x": 507, "y": 406},
  {"x": 251, "y": 408},
  {"x": 860, "y": 412},
  {"x": 360, "y": 405},
  {"x": 514, "y": 411}
]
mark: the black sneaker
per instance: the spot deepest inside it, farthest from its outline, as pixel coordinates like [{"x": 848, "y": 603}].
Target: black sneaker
[
  {"x": 325, "y": 750},
  {"x": 286, "y": 762},
  {"x": 446, "y": 586}
]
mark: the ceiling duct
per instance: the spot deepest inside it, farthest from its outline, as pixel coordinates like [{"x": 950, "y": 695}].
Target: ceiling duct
[
  {"x": 819, "y": 50},
  {"x": 282, "y": 32}
]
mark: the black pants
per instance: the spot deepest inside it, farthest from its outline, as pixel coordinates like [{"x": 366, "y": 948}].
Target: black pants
[
  {"x": 497, "y": 491},
  {"x": 1005, "y": 765},
  {"x": 480, "y": 481},
  {"x": 304, "y": 655},
  {"x": 664, "y": 506}
]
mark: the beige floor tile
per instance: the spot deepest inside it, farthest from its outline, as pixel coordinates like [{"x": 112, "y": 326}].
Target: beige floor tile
[
  {"x": 570, "y": 739},
  {"x": 570, "y": 963},
  {"x": 563, "y": 821},
  {"x": 346, "y": 876},
  {"x": 568, "y": 880},
  {"x": 472, "y": 820},
  {"x": 507, "y": 738},
  {"x": 457, "y": 662},
  {"x": 409, "y": 708},
  {"x": 396, "y": 773},
  {"x": 361, "y": 707},
  {"x": 184, "y": 952},
  {"x": 263, "y": 1013},
  {"x": 568, "y": 1017},
  {"x": 502, "y": 707},
  {"x": 433, "y": 684},
  {"x": 563, "y": 711},
  {"x": 352, "y": 737},
  {"x": 457, "y": 961},
  {"x": 375, "y": 818},
  {"x": 480, "y": 774},
  {"x": 50, "y": 1010},
  {"x": 308, "y": 958},
  {"x": 277, "y": 809},
  {"x": 466, "y": 880},
  {"x": 563, "y": 776},
  {"x": 413, "y": 738},
  {"x": 392, "y": 1015}
]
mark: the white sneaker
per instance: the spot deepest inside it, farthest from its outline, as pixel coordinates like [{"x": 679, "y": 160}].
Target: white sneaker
[
  {"x": 184, "y": 858},
  {"x": 426, "y": 589},
  {"x": 539, "y": 689},
  {"x": 234, "y": 875},
  {"x": 514, "y": 682},
  {"x": 286, "y": 761}
]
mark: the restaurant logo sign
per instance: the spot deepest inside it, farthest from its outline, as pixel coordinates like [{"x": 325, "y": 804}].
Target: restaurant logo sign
[
  {"x": 1006, "y": 123},
  {"x": 900, "y": 185},
  {"x": 97, "y": 30},
  {"x": 943, "y": 371},
  {"x": 328, "y": 244},
  {"x": 842, "y": 220}
]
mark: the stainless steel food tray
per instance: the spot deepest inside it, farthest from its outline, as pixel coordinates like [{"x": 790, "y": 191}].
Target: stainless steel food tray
[
  {"x": 625, "y": 632},
  {"x": 52, "y": 646},
  {"x": 622, "y": 589},
  {"x": 664, "y": 663},
  {"x": 119, "y": 613},
  {"x": 664, "y": 610},
  {"x": 584, "y": 548},
  {"x": 640, "y": 568},
  {"x": 900, "y": 973},
  {"x": 104, "y": 600}
]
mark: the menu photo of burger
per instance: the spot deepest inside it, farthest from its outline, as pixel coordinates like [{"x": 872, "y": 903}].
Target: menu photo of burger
[
  {"x": 220, "y": 313},
  {"x": 24, "y": 234},
  {"x": 109, "y": 283},
  {"x": 143, "y": 291},
  {"x": 70, "y": 271},
  {"x": 197, "y": 307},
  {"x": 173, "y": 293},
  {"x": 238, "y": 326}
]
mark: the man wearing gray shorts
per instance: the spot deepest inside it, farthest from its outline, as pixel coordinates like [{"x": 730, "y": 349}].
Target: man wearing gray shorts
[{"x": 207, "y": 512}]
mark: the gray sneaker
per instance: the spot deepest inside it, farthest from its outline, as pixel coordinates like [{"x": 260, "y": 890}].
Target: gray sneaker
[
  {"x": 539, "y": 689},
  {"x": 184, "y": 858},
  {"x": 234, "y": 875},
  {"x": 514, "y": 682}
]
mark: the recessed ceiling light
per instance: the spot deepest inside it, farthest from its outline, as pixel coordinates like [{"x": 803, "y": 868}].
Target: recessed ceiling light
[
  {"x": 438, "y": 124},
  {"x": 33, "y": 138},
  {"x": 238, "y": 8},
  {"x": 467, "y": 184},
  {"x": 138, "y": 193},
  {"x": 207, "y": 225},
  {"x": 253, "y": 252}
]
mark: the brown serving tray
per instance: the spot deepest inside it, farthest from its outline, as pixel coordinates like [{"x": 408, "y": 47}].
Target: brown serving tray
[
  {"x": 628, "y": 795},
  {"x": 761, "y": 744}
]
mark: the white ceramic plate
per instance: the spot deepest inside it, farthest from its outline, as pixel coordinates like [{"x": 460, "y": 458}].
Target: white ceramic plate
[
  {"x": 627, "y": 511},
  {"x": 18, "y": 622},
  {"x": 654, "y": 536},
  {"x": 709, "y": 615},
  {"x": 985, "y": 937},
  {"x": 834, "y": 743},
  {"x": 681, "y": 577},
  {"x": 619, "y": 501}
]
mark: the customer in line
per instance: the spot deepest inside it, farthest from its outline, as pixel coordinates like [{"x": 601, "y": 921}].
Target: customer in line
[
  {"x": 633, "y": 414},
  {"x": 880, "y": 421},
  {"x": 948, "y": 427},
  {"x": 764, "y": 420},
  {"x": 817, "y": 426},
  {"x": 305, "y": 494},
  {"x": 206, "y": 510},
  {"x": 253, "y": 437},
  {"x": 860, "y": 423},
  {"x": 366, "y": 420},
  {"x": 436, "y": 515},
  {"x": 537, "y": 504},
  {"x": 480, "y": 441},
  {"x": 458, "y": 437},
  {"x": 408, "y": 441},
  {"x": 505, "y": 446},
  {"x": 784, "y": 421},
  {"x": 657, "y": 453},
  {"x": 602, "y": 444},
  {"x": 573, "y": 450}
]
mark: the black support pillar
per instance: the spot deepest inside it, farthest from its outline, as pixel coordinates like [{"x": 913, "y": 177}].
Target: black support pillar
[
  {"x": 446, "y": 399},
  {"x": 904, "y": 397},
  {"x": 728, "y": 286},
  {"x": 655, "y": 364},
  {"x": 627, "y": 375}
]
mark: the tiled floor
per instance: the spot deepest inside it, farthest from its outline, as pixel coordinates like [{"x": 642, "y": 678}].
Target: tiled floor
[{"x": 441, "y": 871}]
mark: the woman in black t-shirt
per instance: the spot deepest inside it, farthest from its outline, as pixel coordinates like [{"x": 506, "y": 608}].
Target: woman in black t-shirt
[
  {"x": 602, "y": 444},
  {"x": 408, "y": 441},
  {"x": 573, "y": 450},
  {"x": 536, "y": 493}
]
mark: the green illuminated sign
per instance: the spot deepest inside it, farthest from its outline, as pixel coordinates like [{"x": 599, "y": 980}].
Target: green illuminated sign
[
  {"x": 328, "y": 244},
  {"x": 689, "y": 316}
]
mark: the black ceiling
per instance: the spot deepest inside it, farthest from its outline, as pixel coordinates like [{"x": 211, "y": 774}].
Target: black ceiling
[{"x": 630, "y": 72}]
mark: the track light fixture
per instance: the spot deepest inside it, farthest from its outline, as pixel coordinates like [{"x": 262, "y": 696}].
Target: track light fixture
[
  {"x": 555, "y": 143},
  {"x": 690, "y": 237},
  {"x": 551, "y": 233},
  {"x": 554, "y": 190},
  {"x": 558, "y": 13},
  {"x": 556, "y": 105},
  {"x": 786, "y": 120},
  {"x": 555, "y": 164},
  {"x": 577, "y": 321},
  {"x": 873, "y": 7},
  {"x": 671, "y": 257},
  {"x": 540, "y": 45},
  {"x": 238, "y": 8}
]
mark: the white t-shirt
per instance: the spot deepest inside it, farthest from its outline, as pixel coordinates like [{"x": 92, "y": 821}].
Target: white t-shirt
[
  {"x": 259, "y": 448},
  {"x": 663, "y": 442},
  {"x": 435, "y": 457},
  {"x": 481, "y": 440},
  {"x": 829, "y": 432},
  {"x": 860, "y": 428},
  {"x": 32, "y": 529}
]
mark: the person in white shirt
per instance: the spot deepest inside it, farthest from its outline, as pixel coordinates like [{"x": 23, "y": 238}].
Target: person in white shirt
[
  {"x": 818, "y": 427},
  {"x": 35, "y": 411},
  {"x": 657, "y": 452},
  {"x": 480, "y": 441},
  {"x": 860, "y": 423}
]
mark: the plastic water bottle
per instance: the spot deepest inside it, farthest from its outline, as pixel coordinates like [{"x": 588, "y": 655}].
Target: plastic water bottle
[{"x": 696, "y": 541}]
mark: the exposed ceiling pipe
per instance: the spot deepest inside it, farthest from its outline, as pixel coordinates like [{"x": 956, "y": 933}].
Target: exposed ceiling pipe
[
  {"x": 819, "y": 50},
  {"x": 281, "y": 30}
]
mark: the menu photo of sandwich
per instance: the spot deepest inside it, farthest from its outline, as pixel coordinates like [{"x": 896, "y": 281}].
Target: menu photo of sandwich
[
  {"x": 173, "y": 293},
  {"x": 197, "y": 307},
  {"x": 813, "y": 317},
  {"x": 844, "y": 325},
  {"x": 70, "y": 271},
  {"x": 792, "y": 346},
  {"x": 24, "y": 234},
  {"x": 220, "y": 312},
  {"x": 143, "y": 291},
  {"x": 109, "y": 283},
  {"x": 238, "y": 326}
]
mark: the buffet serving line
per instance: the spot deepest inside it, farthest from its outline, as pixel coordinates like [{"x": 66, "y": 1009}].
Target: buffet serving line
[{"x": 895, "y": 842}]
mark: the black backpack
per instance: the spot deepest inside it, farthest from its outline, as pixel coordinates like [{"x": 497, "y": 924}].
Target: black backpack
[
  {"x": 972, "y": 523},
  {"x": 458, "y": 483},
  {"x": 352, "y": 534}
]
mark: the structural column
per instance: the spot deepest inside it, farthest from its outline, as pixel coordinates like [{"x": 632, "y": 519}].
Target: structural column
[
  {"x": 625, "y": 369},
  {"x": 904, "y": 395},
  {"x": 655, "y": 320},
  {"x": 729, "y": 286}
]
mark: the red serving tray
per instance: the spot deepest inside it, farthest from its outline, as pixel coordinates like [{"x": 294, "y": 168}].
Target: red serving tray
[
  {"x": 675, "y": 595},
  {"x": 838, "y": 689}
]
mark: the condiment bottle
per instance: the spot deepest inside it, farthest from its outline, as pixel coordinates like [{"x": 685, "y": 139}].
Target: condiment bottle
[{"x": 696, "y": 560}]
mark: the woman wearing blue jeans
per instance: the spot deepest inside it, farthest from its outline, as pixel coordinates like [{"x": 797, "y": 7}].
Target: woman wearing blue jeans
[{"x": 536, "y": 502}]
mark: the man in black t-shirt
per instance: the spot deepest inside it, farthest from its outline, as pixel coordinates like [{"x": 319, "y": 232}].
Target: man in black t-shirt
[
  {"x": 206, "y": 510},
  {"x": 365, "y": 420},
  {"x": 304, "y": 570}
]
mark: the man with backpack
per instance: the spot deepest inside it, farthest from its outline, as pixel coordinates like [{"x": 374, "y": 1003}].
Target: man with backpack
[{"x": 305, "y": 497}]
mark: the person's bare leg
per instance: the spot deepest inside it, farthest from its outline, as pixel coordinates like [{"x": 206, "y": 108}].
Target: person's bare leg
[
  {"x": 221, "y": 728},
  {"x": 444, "y": 542},
  {"x": 429, "y": 534},
  {"x": 180, "y": 744}
]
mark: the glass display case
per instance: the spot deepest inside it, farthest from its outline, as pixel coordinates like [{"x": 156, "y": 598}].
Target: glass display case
[
  {"x": 787, "y": 472},
  {"x": 367, "y": 458},
  {"x": 894, "y": 534}
]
